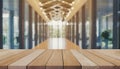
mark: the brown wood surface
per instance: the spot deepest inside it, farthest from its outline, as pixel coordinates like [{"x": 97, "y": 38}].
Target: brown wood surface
[
  {"x": 103, "y": 64},
  {"x": 4, "y": 63},
  {"x": 59, "y": 59},
  {"x": 70, "y": 62},
  {"x": 22, "y": 63},
  {"x": 58, "y": 64},
  {"x": 41, "y": 61},
  {"x": 84, "y": 61}
]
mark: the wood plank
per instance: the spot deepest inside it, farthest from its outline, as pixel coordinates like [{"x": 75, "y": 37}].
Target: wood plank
[
  {"x": 84, "y": 61},
  {"x": 71, "y": 45},
  {"x": 1, "y": 50},
  {"x": 110, "y": 53},
  {"x": 12, "y": 59},
  {"x": 103, "y": 64},
  {"x": 22, "y": 63},
  {"x": 6, "y": 54},
  {"x": 107, "y": 58},
  {"x": 56, "y": 61},
  {"x": 70, "y": 62},
  {"x": 41, "y": 61},
  {"x": 43, "y": 45}
]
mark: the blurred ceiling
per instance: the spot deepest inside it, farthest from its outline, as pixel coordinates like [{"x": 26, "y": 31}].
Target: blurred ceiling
[{"x": 56, "y": 9}]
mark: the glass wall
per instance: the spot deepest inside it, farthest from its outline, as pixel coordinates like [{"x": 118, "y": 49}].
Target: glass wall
[
  {"x": 87, "y": 24},
  {"x": 5, "y": 24},
  {"x": 16, "y": 23},
  {"x": 33, "y": 27},
  {"x": 119, "y": 23},
  {"x": 26, "y": 10},
  {"x": 80, "y": 32},
  {"x": 10, "y": 24},
  {"x": 104, "y": 23}
]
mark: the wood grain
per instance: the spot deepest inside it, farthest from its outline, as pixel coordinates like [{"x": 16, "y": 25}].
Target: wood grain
[
  {"x": 56, "y": 60},
  {"x": 70, "y": 62},
  {"x": 4, "y": 63},
  {"x": 6, "y": 54},
  {"x": 59, "y": 59},
  {"x": 84, "y": 61},
  {"x": 107, "y": 58},
  {"x": 103, "y": 64},
  {"x": 22, "y": 63},
  {"x": 41, "y": 61},
  {"x": 110, "y": 53}
]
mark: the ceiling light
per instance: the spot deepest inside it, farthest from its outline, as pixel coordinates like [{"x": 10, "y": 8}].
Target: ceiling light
[
  {"x": 44, "y": 13},
  {"x": 63, "y": 1},
  {"x": 72, "y": 8},
  {"x": 40, "y": 4},
  {"x": 73, "y": 2},
  {"x": 41, "y": 8}
]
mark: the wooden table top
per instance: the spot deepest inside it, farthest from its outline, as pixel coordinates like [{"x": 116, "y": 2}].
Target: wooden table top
[{"x": 59, "y": 59}]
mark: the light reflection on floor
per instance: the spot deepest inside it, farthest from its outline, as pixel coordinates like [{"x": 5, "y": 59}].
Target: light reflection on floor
[{"x": 56, "y": 43}]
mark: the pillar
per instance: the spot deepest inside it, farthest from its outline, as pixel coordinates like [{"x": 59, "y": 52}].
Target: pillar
[
  {"x": 92, "y": 14},
  {"x": 1, "y": 24},
  {"x": 115, "y": 23},
  {"x": 30, "y": 44},
  {"x": 46, "y": 32},
  {"x": 39, "y": 29},
  {"x": 73, "y": 29},
  {"x": 11, "y": 29},
  {"x": 77, "y": 28},
  {"x": 43, "y": 30},
  {"x": 36, "y": 29},
  {"x": 118, "y": 25},
  {"x": 11, "y": 24},
  {"x": 70, "y": 30},
  {"x": 67, "y": 31},
  {"x": 84, "y": 39},
  {"x": 21, "y": 24}
]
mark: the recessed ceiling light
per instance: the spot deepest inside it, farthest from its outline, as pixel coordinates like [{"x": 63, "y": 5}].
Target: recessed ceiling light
[
  {"x": 72, "y": 8},
  {"x": 63, "y": 1},
  {"x": 40, "y": 4},
  {"x": 41, "y": 8},
  {"x": 73, "y": 2}
]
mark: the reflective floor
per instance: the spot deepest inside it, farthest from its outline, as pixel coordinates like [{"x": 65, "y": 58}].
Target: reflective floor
[{"x": 56, "y": 43}]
